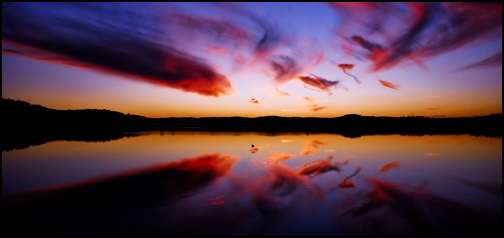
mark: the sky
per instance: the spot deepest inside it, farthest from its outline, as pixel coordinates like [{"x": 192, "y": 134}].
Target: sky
[{"x": 256, "y": 59}]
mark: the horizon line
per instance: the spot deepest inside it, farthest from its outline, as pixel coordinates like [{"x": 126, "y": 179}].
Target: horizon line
[{"x": 350, "y": 114}]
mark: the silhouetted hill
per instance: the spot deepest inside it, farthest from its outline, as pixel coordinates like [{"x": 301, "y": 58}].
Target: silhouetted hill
[
  {"x": 22, "y": 114},
  {"x": 24, "y": 124}
]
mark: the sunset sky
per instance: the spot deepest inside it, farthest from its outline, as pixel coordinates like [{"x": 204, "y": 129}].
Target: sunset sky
[{"x": 256, "y": 59}]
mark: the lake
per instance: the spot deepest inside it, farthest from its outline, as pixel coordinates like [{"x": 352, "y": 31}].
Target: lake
[{"x": 246, "y": 183}]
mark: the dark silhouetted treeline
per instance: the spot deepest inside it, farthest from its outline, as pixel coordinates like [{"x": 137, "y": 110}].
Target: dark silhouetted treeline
[
  {"x": 348, "y": 125},
  {"x": 24, "y": 124}
]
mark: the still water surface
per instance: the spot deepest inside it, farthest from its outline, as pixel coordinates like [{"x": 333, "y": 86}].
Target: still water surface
[{"x": 297, "y": 184}]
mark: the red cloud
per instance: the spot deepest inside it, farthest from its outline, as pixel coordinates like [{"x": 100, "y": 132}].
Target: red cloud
[
  {"x": 318, "y": 82},
  {"x": 253, "y": 100},
  {"x": 431, "y": 29},
  {"x": 121, "y": 52},
  {"x": 316, "y": 109},
  {"x": 348, "y": 67},
  {"x": 388, "y": 84}
]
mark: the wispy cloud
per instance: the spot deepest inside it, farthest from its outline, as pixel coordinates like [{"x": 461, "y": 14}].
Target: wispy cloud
[
  {"x": 424, "y": 37},
  {"x": 316, "y": 109},
  {"x": 492, "y": 61},
  {"x": 282, "y": 93},
  {"x": 312, "y": 146},
  {"x": 50, "y": 32},
  {"x": 348, "y": 67},
  {"x": 318, "y": 82},
  {"x": 308, "y": 98},
  {"x": 388, "y": 84},
  {"x": 253, "y": 100}
]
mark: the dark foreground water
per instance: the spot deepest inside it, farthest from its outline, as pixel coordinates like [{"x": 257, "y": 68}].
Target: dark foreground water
[{"x": 201, "y": 183}]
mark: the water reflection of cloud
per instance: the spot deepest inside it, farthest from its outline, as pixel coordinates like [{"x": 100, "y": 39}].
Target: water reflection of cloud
[
  {"x": 388, "y": 166},
  {"x": 422, "y": 212},
  {"x": 432, "y": 154},
  {"x": 272, "y": 199},
  {"x": 280, "y": 157},
  {"x": 253, "y": 150},
  {"x": 317, "y": 167},
  {"x": 347, "y": 183},
  {"x": 112, "y": 198},
  {"x": 216, "y": 201},
  {"x": 311, "y": 147}
]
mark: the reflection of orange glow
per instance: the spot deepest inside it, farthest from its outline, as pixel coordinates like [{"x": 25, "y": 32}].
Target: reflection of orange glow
[
  {"x": 253, "y": 150},
  {"x": 318, "y": 142},
  {"x": 311, "y": 147},
  {"x": 309, "y": 151},
  {"x": 281, "y": 157},
  {"x": 432, "y": 154},
  {"x": 388, "y": 166},
  {"x": 215, "y": 201}
]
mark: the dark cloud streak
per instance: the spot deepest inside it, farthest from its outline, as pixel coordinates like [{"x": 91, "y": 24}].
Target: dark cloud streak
[
  {"x": 431, "y": 29},
  {"x": 113, "y": 49},
  {"x": 319, "y": 82},
  {"x": 492, "y": 61}
]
